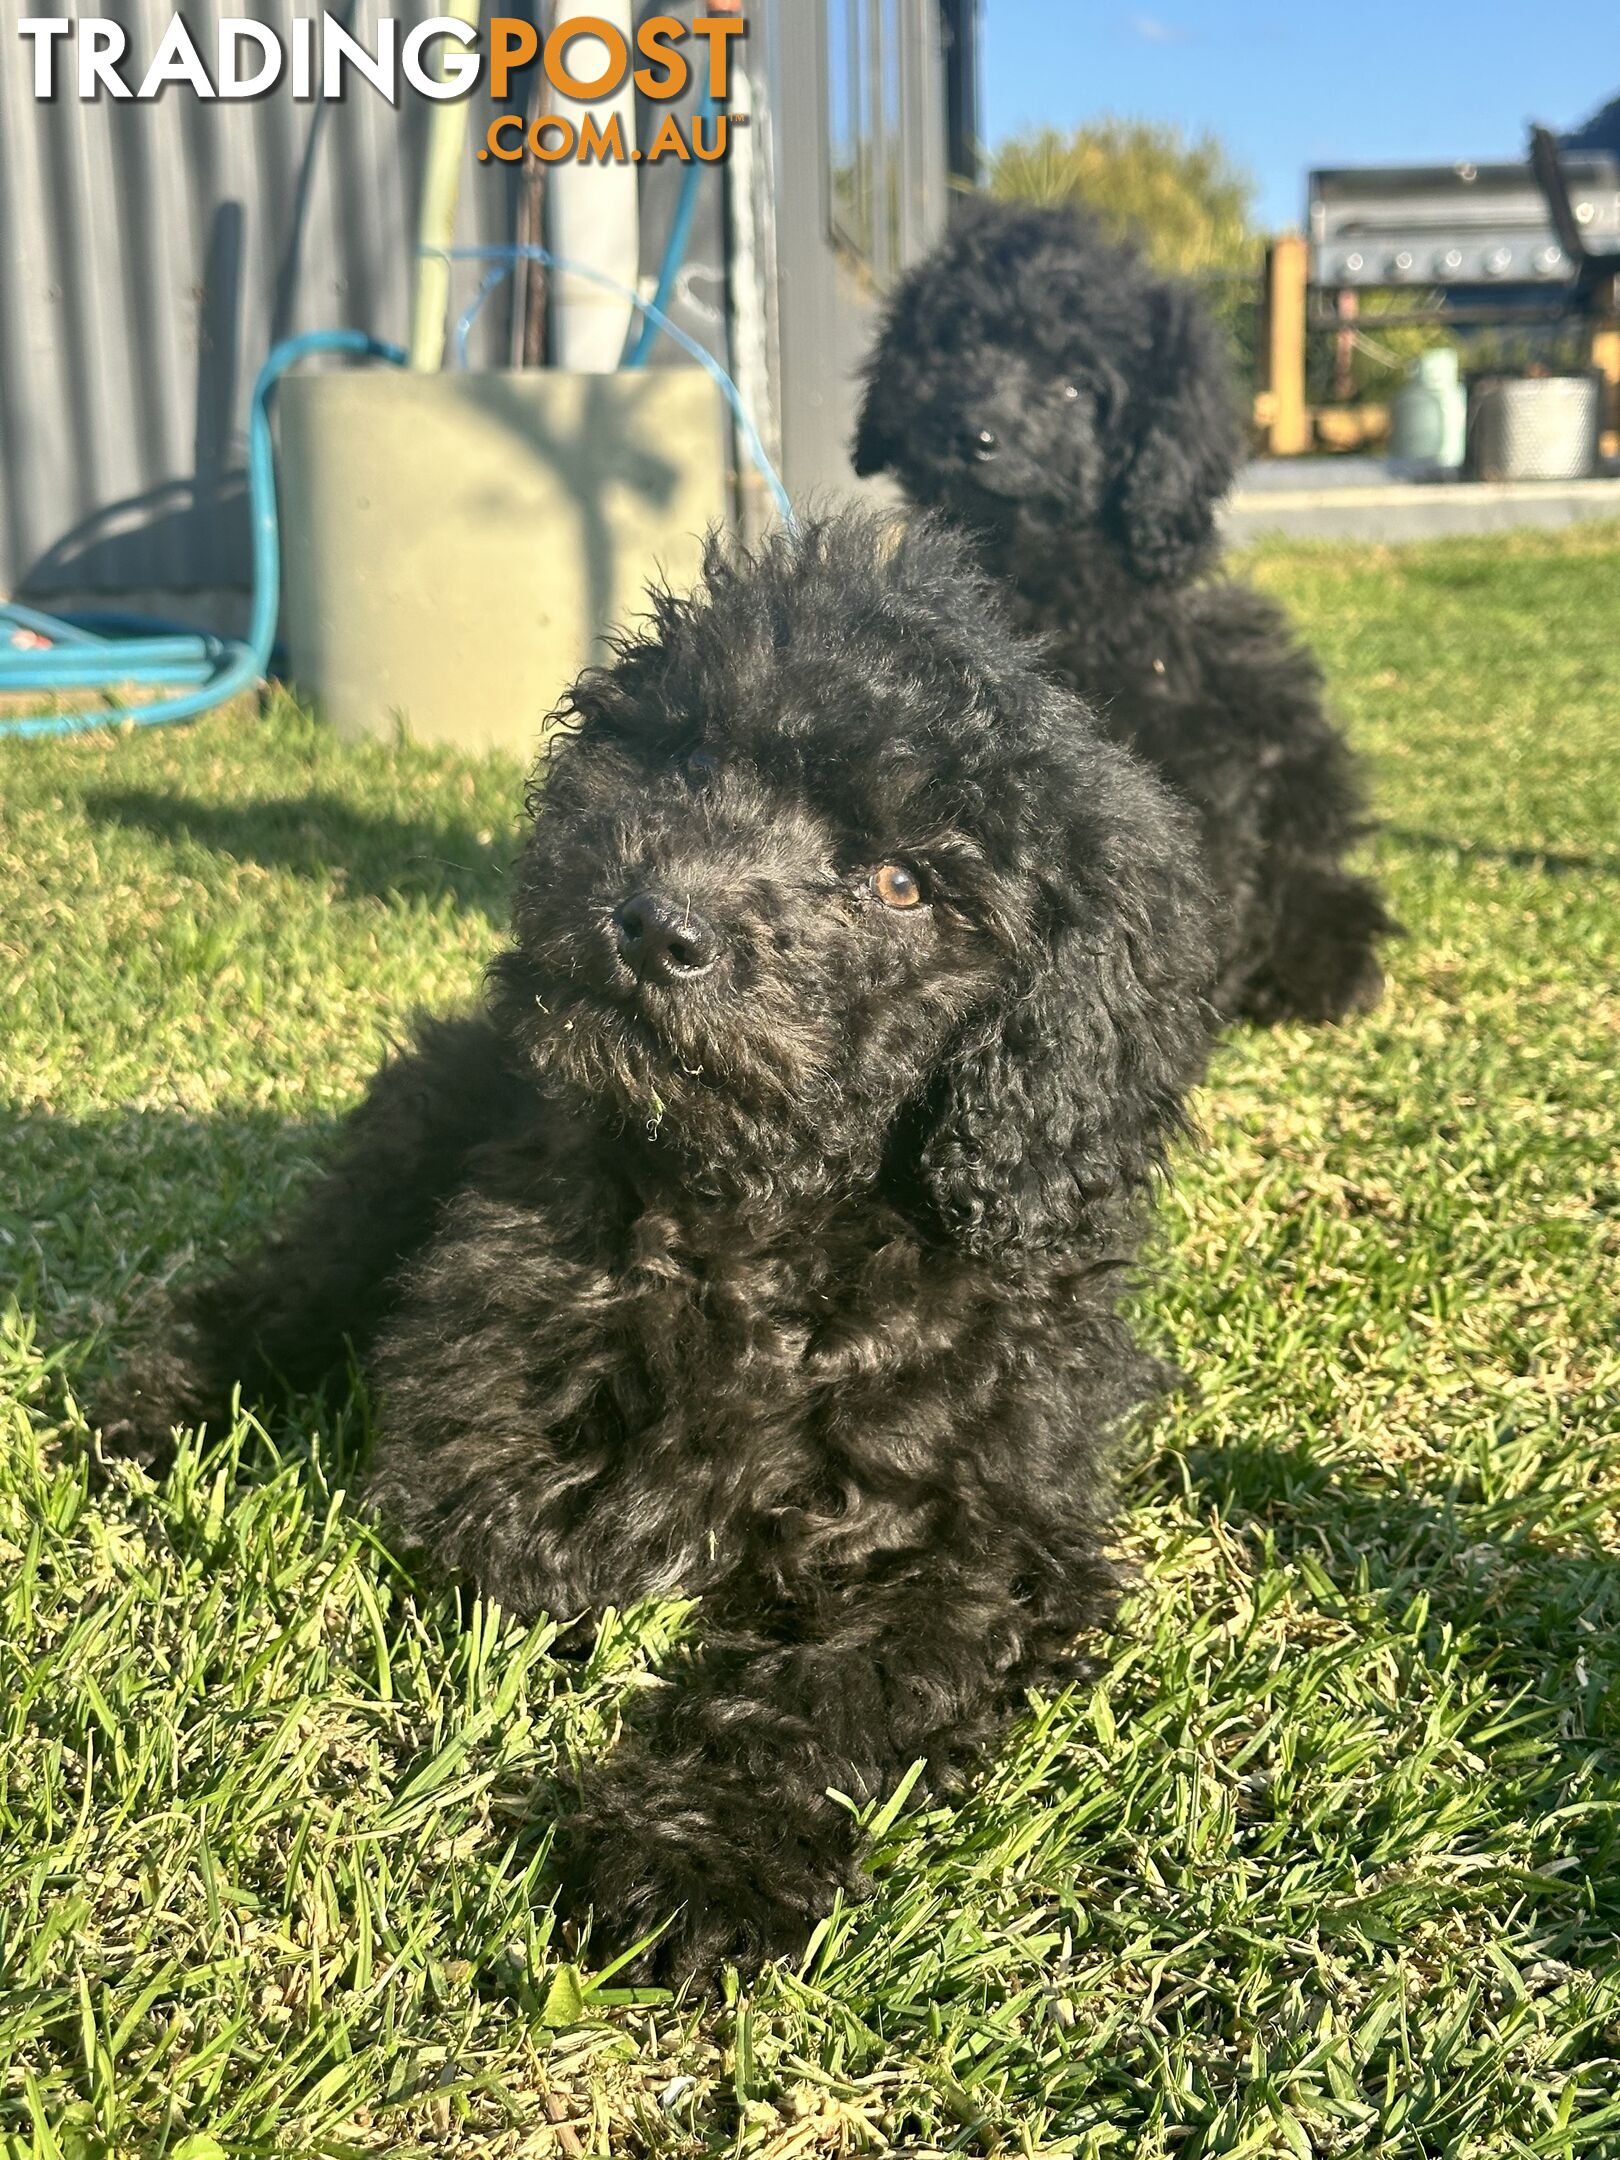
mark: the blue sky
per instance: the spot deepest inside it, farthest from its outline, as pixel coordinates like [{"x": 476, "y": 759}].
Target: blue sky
[{"x": 1288, "y": 87}]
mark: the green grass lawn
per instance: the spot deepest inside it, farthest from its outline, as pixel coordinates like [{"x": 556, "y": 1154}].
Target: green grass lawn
[{"x": 1328, "y": 1860}]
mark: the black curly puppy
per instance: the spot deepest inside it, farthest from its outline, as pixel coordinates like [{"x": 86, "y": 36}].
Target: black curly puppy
[
  {"x": 762, "y": 1237},
  {"x": 1073, "y": 411}
]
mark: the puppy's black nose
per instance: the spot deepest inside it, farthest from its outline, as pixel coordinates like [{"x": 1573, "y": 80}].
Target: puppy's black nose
[{"x": 663, "y": 942}]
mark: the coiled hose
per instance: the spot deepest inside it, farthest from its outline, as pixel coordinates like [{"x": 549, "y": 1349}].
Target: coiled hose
[
  {"x": 80, "y": 659},
  {"x": 77, "y": 657}
]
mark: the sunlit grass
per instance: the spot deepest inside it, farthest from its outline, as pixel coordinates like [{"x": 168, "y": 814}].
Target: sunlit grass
[{"x": 1324, "y": 1862}]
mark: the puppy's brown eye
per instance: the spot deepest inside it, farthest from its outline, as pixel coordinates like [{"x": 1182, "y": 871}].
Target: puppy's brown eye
[
  {"x": 702, "y": 765},
  {"x": 1068, "y": 393},
  {"x": 986, "y": 445},
  {"x": 898, "y": 887}
]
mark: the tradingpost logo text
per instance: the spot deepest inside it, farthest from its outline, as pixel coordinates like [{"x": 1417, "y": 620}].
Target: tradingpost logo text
[{"x": 584, "y": 62}]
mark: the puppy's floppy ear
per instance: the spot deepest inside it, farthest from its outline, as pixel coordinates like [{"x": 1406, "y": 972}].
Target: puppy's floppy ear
[
  {"x": 1183, "y": 442},
  {"x": 1059, "y": 1101},
  {"x": 877, "y": 440},
  {"x": 880, "y": 429},
  {"x": 898, "y": 368}
]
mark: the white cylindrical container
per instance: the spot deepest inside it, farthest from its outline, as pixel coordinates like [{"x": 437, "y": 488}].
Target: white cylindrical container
[
  {"x": 592, "y": 210},
  {"x": 1538, "y": 427}
]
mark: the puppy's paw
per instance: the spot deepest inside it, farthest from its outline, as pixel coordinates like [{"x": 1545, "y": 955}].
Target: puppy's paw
[
  {"x": 138, "y": 1410},
  {"x": 1324, "y": 962},
  {"x": 716, "y": 1874},
  {"x": 1164, "y": 1380},
  {"x": 1360, "y": 988}
]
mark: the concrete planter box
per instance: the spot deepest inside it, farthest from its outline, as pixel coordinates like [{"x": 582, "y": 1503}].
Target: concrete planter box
[{"x": 457, "y": 547}]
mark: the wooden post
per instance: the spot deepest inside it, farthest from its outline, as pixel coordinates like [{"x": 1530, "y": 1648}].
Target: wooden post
[
  {"x": 1289, "y": 423},
  {"x": 1606, "y": 359},
  {"x": 1348, "y": 306}
]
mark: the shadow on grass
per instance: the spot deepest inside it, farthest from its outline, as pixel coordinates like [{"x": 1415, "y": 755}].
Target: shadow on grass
[
  {"x": 1519, "y": 858},
  {"x": 97, "y": 1214},
  {"x": 321, "y": 836},
  {"x": 102, "y": 1219},
  {"x": 1520, "y": 1574}
]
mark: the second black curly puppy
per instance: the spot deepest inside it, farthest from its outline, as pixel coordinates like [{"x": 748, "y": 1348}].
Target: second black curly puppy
[
  {"x": 1074, "y": 412},
  {"x": 762, "y": 1238}
]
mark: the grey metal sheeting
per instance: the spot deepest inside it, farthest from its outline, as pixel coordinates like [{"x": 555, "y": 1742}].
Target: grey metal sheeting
[{"x": 150, "y": 255}]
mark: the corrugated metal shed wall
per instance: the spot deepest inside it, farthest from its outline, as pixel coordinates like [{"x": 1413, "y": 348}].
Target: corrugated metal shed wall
[{"x": 150, "y": 255}]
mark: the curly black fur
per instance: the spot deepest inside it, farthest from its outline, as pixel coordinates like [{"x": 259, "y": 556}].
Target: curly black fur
[
  {"x": 761, "y": 1240},
  {"x": 1073, "y": 412}
]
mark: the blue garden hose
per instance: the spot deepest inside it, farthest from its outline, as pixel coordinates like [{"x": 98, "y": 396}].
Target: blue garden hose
[
  {"x": 98, "y": 652},
  {"x": 78, "y": 657},
  {"x": 680, "y": 234}
]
